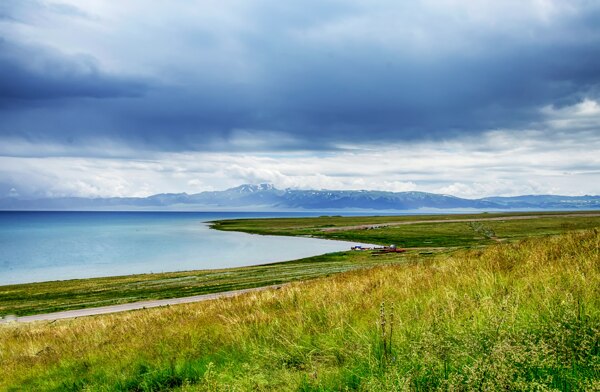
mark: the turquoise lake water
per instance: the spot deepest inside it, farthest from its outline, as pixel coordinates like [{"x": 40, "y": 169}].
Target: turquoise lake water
[{"x": 44, "y": 246}]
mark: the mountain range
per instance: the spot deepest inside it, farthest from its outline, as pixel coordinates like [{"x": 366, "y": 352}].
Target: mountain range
[{"x": 267, "y": 197}]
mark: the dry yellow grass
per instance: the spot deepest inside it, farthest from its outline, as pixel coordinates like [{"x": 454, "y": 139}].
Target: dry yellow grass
[{"x": 513, "y": 316}]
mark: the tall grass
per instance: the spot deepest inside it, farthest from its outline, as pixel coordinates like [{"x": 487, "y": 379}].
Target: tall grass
[{"x": 520, "y": 316}]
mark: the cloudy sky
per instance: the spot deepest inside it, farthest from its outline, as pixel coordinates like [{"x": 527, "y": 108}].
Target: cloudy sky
[{"x": 132, "y": 98}]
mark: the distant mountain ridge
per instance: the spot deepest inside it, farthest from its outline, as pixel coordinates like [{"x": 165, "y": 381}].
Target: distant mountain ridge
[{"x": 266, "y": 196}]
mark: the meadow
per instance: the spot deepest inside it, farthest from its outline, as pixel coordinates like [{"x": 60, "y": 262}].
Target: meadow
[
  {"x": 521, "y": 315},
  {"x": 461, "y": 230}
]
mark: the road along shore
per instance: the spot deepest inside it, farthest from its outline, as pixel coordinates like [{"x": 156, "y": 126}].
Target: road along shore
[{"x": 132, "y": 306}]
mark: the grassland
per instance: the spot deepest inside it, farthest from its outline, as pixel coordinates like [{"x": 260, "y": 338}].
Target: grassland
[
  {"x": 510, "y": 316},
  {"x": 431, "y": 238},
  {"x": 476, "y": 229}
]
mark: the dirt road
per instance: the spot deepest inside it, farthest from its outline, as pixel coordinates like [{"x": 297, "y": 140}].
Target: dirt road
[
  {"x": 518, "y": 217},
  {"x": 132, "y": 306}
]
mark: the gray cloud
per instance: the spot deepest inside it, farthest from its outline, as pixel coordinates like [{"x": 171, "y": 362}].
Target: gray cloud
[
  {"x": 40, "y": 73},
  {"x": 322, "y": 73}
]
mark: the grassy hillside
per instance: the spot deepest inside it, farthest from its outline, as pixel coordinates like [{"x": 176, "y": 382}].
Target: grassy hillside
[{"x": 522, "y": 316}]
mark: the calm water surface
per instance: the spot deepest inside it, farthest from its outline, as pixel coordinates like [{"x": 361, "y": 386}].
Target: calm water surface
[{"x": 43, "y": 246}]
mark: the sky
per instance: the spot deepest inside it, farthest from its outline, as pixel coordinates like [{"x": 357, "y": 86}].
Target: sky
[{"x": 461, "y": 97}]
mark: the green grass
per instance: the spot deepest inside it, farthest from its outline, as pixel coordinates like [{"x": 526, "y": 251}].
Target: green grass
[
  {"x": 510, "y": 316},
  {"x": 291, "y": 226},
  {"x": 425, "y": 234}
]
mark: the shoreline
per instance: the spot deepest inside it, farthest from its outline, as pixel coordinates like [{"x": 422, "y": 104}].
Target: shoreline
[
  {"x": 204, "y": 250},
  {"x": 421, "y": 241}
]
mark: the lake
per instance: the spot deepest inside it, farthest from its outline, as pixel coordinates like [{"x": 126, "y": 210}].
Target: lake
[{"x": 44, "y": 246}]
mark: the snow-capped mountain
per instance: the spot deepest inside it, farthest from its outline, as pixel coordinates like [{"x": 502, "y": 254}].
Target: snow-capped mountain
[{"x": 267, "y": 197}]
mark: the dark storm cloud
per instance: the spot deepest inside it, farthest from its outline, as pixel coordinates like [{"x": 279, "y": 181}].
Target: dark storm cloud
[
  {"x": 306, "y": 77},
  {"x": 38, "y": 73}
]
